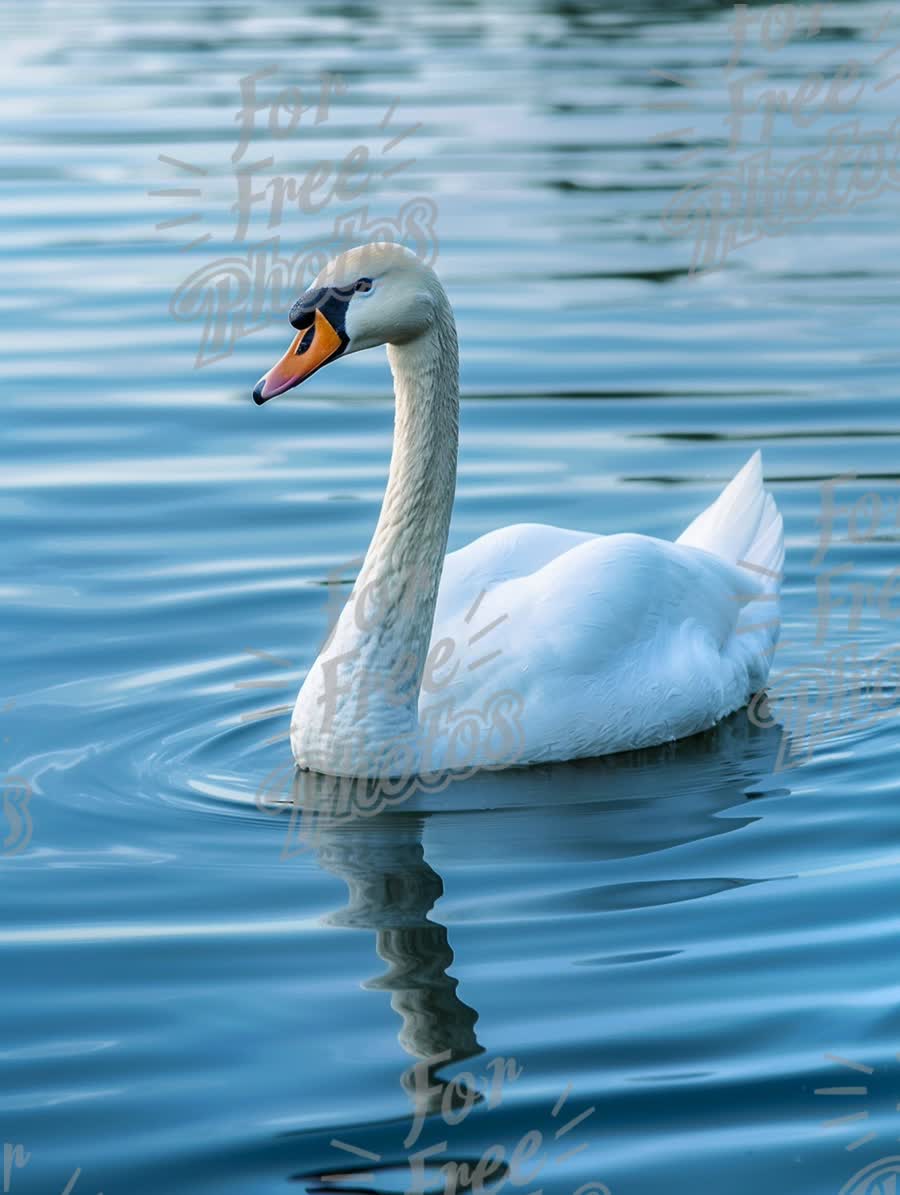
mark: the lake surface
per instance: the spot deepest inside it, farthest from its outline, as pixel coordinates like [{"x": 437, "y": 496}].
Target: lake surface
[{"x": 199, "y": 993}]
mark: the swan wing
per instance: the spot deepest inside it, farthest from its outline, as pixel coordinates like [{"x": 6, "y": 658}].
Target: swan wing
[
  {"x": 501, "y": 555},
  {"x": 620, "y": 641}
]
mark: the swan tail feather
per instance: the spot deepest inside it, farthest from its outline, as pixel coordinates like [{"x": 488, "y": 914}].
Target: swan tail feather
[
  {"x": 743, "y": 526},
  {"x": 759, "y": 622}
]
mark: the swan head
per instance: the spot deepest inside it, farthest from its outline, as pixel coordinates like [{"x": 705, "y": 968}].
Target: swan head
[{"x": 375, "y": 294}]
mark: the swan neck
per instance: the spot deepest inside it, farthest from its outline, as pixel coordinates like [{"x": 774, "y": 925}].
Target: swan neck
[
  {"x": 406, "y": 555},
  {"x": 361, "y": 697}
]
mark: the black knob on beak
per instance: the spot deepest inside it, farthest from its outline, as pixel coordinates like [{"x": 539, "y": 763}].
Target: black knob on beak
[{"x": 303, "y": 311}]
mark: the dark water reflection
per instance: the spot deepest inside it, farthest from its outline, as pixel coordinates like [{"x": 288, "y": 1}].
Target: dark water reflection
[{"x": 202, "y": 993}]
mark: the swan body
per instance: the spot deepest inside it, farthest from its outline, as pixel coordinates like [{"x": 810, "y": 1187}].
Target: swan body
[{"x": 533, "y": 643}]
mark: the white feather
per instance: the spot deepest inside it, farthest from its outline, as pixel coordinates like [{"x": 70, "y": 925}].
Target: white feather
[{"x": 552, "y": 644}]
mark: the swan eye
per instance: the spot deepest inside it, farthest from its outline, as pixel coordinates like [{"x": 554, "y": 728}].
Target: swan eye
[{"x": 363, "y": 285}]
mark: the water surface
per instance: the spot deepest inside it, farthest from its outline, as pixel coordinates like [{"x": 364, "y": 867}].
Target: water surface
[{"x": 198, "y": 999}]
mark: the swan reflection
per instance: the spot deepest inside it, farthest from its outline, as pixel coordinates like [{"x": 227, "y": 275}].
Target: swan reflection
[
  {"x": 392, "y": 890},
  {"x": 615, "y": 807}
]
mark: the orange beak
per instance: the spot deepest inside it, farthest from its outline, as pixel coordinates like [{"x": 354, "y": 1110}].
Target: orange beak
[{"x": 310, "y": 349}]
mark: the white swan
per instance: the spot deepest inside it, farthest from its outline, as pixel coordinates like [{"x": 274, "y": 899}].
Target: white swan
[{"x": 533, "y": 643}]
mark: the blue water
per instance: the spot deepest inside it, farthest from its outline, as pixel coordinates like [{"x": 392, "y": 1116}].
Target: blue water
[{"x": 202, "y": 994}]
